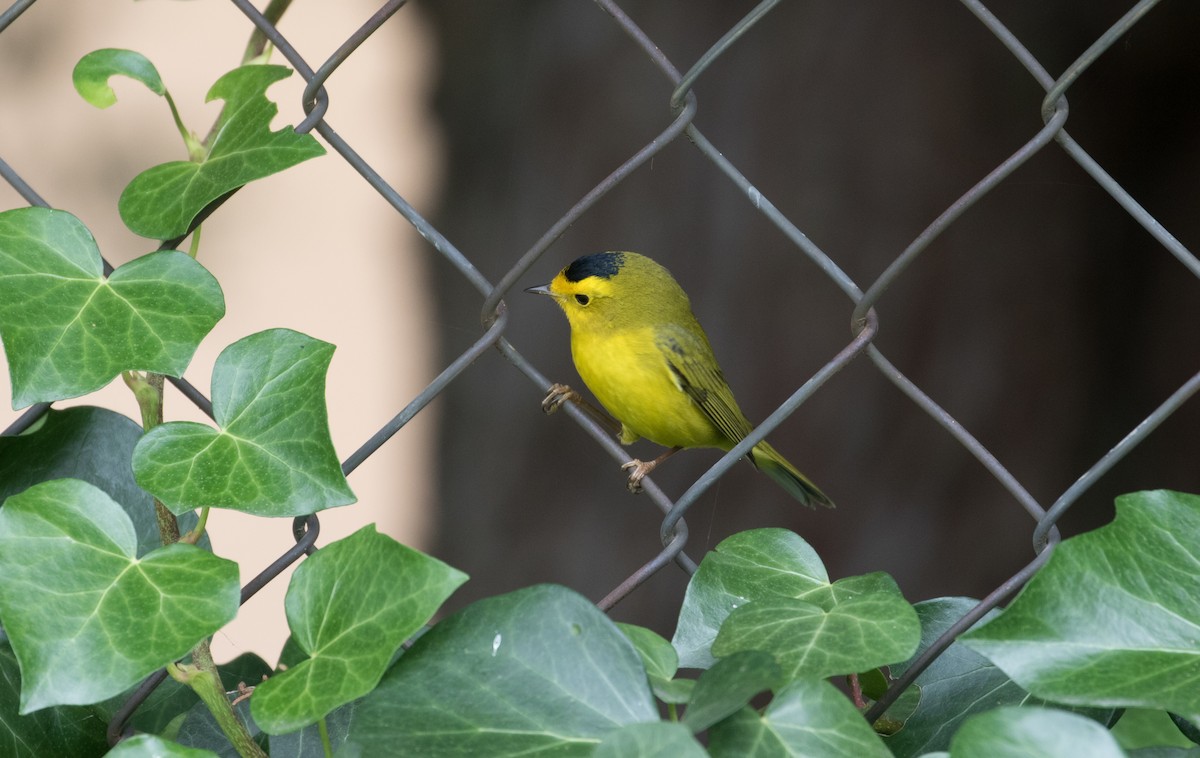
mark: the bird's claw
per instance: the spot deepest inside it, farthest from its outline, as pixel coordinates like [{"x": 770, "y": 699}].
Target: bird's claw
[
  {"x": 556, "y": 396},
  {"x": 640, "y": 469}
]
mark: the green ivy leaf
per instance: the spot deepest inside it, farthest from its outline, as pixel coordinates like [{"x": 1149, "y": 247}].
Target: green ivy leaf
[
  {"x": 676, "y": 691},
  {"x": 1033, "y": 733},
  {"x": 349, "y": 606},
  {"x": 273, "y": 455},
  {"x": 67, "y": 730},
  {"x": 654, "y": 739},
  {"x": 958, "y": 684},
  {"x": 1111, "y": 619},
  {"x": 765, "y": 589},
  {"x": 152, "y": 746},
  {"x": 92, "y": 444},
  {"x": 307, "y": 742},
  {"x": 161, "y": 202},
  {"x": 863, "y": 622},
  {"x": 752, "y": 564},
  {"x": 93, "y": 71},
  {"x": 86, "y": 617},
  {"x": 68, "y": 331},
  {"x": 808, "y": 717},
  {"x": 539, "y": 670},
  {"x": 729, "y": 685},
  {"x": 1140, "y": 728},
  {"x": 661, "y": 664},
  {"x": 657, "y": 655},
  {"x": 897, "y": 715}
]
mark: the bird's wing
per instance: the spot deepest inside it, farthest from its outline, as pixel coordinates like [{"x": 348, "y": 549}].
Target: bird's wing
[{"x": 696, "y": 372}]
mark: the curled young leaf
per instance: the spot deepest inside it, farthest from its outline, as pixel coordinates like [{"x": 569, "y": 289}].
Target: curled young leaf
[{"x": 93, "y": 71}]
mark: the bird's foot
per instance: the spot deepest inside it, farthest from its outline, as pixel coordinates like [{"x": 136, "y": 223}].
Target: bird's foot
[
  {"x": 641, "y": 468},
  {"x": 557, "y": 395},
  {"x": 639, "y": 471}
]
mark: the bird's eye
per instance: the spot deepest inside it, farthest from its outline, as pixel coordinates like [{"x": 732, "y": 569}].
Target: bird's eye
[{"x": 582, "y": 299}]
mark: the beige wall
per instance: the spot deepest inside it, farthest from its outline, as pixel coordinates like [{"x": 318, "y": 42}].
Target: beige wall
[{"x": 313, "y": 249}]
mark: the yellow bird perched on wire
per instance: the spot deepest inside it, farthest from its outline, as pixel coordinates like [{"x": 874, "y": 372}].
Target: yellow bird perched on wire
[{"x": 640, "y": 350}]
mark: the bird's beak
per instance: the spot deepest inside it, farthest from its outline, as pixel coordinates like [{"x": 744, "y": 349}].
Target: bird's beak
[{"x": 543, "y": 290}]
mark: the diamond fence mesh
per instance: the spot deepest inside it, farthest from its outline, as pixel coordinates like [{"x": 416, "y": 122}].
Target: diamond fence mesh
[{"x": 678, "y": 124}]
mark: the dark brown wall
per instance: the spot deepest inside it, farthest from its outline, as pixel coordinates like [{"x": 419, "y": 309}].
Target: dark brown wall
[{"x": 1045, "y": 320}]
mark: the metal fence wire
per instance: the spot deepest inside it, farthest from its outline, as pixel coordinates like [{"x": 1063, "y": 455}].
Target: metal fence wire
[{"x": 862, "y": 296}]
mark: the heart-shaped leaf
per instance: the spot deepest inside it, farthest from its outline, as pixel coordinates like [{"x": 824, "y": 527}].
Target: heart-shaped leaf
[
  {"x": 752, "y": 564},
  {"x": 93, "y": 71},
  {"x": 92, "y": 444},
  {"x": 161, "y": 202},
  {"x": 86, "y": 617},
  {"x": 861, "y": 623},
  {"x": 1111, "y": 619},
  {"x": 349, "y": 606},
  {"x": 537, "y": 671},
  {"x": 273, "y": 455},
  {"x": 766, "y": 589},
  {"x": 808, "y": 717},
  {"x": 68, "y": 331}
]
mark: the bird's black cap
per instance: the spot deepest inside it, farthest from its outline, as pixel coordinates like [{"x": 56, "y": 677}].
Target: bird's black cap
[{"x": 603, "y": 265}]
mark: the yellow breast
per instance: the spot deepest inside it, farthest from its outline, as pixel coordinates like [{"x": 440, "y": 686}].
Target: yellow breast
[{"x": 628, "y": 374}]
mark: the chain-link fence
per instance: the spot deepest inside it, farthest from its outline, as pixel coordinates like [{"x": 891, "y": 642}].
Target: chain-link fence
[{"x": 861, "y": 296}]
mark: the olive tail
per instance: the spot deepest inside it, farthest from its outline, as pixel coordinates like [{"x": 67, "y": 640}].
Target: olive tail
[{"x": 768, "y": 460}]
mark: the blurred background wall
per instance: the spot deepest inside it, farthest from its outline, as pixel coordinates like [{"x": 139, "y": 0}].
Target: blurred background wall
[{"x": 1045, "y": 319}]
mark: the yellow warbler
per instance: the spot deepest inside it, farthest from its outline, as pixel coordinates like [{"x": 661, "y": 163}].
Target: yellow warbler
[{"x": 640, "y": 350}]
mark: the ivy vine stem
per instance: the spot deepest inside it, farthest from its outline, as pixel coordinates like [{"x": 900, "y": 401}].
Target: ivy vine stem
[
  {"x": 197, "y": 151},
  {"x": 201, "y": 675},
  {"x": 258, "y": 41},
  {"x": 147, "y": 389},
  {"x": 323, "y": 730},
  {"x": 197, "y": 531}
]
